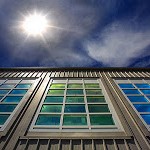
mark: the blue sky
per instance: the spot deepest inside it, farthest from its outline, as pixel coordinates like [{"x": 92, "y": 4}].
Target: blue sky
[{"x": 95, "y": 33}]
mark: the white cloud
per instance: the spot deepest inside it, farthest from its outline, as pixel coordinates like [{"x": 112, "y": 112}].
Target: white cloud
[{"x": 118, "y": 44}]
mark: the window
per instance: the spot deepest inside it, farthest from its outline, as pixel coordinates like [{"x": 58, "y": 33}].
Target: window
[
  {"x": 11, "y": 95},
  {"x": 75, "y": 105},
  {"x": 138, "y": 94}
]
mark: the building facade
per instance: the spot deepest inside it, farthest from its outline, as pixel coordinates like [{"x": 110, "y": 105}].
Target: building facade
[{"x": 75, "y": 108}]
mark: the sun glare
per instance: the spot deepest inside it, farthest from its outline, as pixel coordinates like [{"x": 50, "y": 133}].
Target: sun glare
[{"x": 35, "y": 24}]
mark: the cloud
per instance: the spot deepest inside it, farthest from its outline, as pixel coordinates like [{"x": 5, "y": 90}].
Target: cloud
[{"x": 118, "y": 45}]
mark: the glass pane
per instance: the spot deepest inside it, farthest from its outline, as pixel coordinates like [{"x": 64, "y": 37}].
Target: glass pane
[
  {"x": 74, "y": 120},
  {"x": 7, "y": 86},
  {"x": 57, "y": 86},
  {"x": 98, "y": 108},
  {"x": 143, "y": 85},
  {"x": 1, "y": 97},
  {"x": 4, "y": 91},
  {"x": 7, "y": 107},
  {"x": 12, "y": 99},
  {"x": 56, "y": 92},
  {"x": 23, "y": 86},
  {"x": 78, "y": 99},
  {"x": 18, "y": 92},
  {"x": 126, "y": 85},
  {"x": 105, "y": 119},
  {"x": 51, "y": 108},
  {"x": 131, "y": 91},
  {"x": 3, "y": 119},
  {"x": 54, "y": 99},
  {"x": 95, "y": 99},
  {"x": 74, "y": 108},
  {"x": 74, "y": 92},
  {"x": 146, "y": 91},
  {"x": 146, "y": 118},
  {"x": 94, "y": 92},
  {"x": 48, "y": 120},
  {"x": 91, "y": 85},
  {"x": 137, "y": 99},
  {"x": 75, "y": 85},
  {"x": 142, "y": 107}
]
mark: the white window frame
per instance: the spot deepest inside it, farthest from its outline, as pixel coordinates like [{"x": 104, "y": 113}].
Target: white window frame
[
  {"x": 134, "y": 81},
  {"x": 88, "y": 128},
  {"x": 14, "y": 81}
]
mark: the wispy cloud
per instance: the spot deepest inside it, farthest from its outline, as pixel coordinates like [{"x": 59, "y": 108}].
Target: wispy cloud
[{"x": 118, "y": 45}]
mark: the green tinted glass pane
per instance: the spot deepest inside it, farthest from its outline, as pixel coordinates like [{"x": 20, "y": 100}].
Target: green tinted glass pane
[
  {"x": 3, "y": 119},
  {"x": 51, "y": 108},
  {"x": 74, "y": 120},
  {"x": 23, "y": 86},
  {"x": 74, "y": 92},
  {"x": 56, "y": 92},
  {"x": 75, "y": 85},
  {"x": 103, "y": 119},
  {"x": 7, "y": 107},
  {"x": 94, "y": 92},
  {"x": 98, "y": 108},
  {"x": 77, "y": 99},
  {"x": 4, "y": 91},
  {"x": 57, "y": 86},
  {"x": 91, "y": 85},
  {"x": 45, "y": 119},
  {"x": 93, "y": 99},
  {"x": 53, "y": 99},
  {"x": 7, "y": 86},
  {"x": 74, "y": 108},
  {"x": 18, "y": 92},
  {"x": 12, "y": 99}
]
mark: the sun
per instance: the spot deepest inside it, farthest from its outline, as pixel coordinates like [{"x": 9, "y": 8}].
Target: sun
[{"x": 35, "y": 24}]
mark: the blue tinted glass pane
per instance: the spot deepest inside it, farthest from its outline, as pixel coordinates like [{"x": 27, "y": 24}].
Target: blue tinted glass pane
[
  {"x": 74, "y": 92},
  {"x": 146, "y": 118},
  {"x": 51, "y": 108},
  {"x": 148, "y": 97},
  {"x": 98, "y": 108},
  {"x": 127, "y": 85},
  {"x": 74, "y": 99},
  {"x": 1, "y": 97},
  {"x": 12, "y": 99},
  {"x": 48, "y": 120},
  {"x": 7, "y": 107},
  {"x": 56, "y": 92},
  {"x": 74, "y": 108},
  {"x": 102, "y": 119},
  {"x": 74, "y": 120},
  {"x": 137, "y": 99},
  {"x": 3, "y": 119},
  {"x": 131, "y": 91},
  {"x": 54, "y": 99},
  {"x": 146, "y": 91},
  {"x": 23, "y": 86},
  {"x": 142, "y": 107},
  {"x": 18, "y": 92},
  {"x": 7, "y": 86},
  {"x": 143, "y": 85},
  {"x": 4, "y": 91},
  {"x": 94, "y": 92}
]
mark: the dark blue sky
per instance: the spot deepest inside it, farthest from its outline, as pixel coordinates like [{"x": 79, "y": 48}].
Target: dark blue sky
[{"x": 95, "y": 33}]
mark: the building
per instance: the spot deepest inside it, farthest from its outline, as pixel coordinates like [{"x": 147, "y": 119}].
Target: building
[{"x": 75, "y": 108}]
